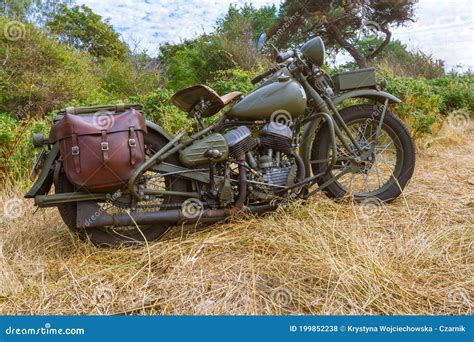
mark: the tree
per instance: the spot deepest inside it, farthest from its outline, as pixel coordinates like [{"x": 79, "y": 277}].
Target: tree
[
  {"x": 260, "y": 20},
  {"x": 85, "y": 30},
  {"x": 341, "y": 23},
  {"x": 194, "y": 60},
  {"x": 400, "y": 60},
  {"x": 239, "y": 29},
  {"x": 35, "y": 11}
]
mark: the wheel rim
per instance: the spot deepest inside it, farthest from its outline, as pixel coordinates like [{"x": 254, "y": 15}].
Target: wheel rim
[{"x": 378, "y": 174}]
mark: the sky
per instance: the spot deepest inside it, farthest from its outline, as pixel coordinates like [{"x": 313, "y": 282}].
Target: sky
[{"x": 444, "y": 28}]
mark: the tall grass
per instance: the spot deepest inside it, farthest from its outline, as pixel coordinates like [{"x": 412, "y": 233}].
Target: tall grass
[{"x": 410, "y": 257}]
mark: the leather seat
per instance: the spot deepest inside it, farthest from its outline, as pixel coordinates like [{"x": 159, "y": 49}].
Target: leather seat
[{"x": 203, "y": 99}]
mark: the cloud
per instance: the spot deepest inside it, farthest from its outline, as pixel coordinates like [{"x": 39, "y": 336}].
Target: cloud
[
  {"x": 443, "y": 28},
  {"x": 153, "y": 22}
]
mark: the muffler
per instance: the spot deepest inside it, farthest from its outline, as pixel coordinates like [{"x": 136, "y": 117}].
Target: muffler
[{"x": 89, "y": 217}]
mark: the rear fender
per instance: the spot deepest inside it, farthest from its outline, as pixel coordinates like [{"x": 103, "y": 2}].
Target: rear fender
[{"x": 45, "y": 178}]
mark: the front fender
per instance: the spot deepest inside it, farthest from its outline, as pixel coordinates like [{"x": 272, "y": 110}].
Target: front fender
[
  {"x": 311, "y": 128},
  {"x": 45, "y": 178},
  {"x": 372, "y": 94}
]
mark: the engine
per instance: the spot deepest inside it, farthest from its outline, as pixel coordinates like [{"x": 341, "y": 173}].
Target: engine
[
  {"x": 271, "y": 157},
  {"x": 240, "y": 142},
  {"x": 277, "y": 137}
]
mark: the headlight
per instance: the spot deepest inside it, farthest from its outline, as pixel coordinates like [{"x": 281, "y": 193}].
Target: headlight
[{"x": 313, "y": 50}]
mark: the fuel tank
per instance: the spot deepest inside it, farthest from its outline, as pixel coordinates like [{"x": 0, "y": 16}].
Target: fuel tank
[{"x": 283, "y": 95}]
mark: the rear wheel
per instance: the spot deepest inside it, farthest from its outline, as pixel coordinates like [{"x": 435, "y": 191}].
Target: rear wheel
[
  {"x": 386, "y": 172},
  {"x": 115, "y": 236}
]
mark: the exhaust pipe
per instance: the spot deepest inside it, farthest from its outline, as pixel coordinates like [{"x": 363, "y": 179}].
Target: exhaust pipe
[{"x": 86, "y": 220}]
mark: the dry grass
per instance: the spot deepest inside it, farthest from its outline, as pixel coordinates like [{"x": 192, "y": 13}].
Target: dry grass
[{"x": 414, "y": 256}]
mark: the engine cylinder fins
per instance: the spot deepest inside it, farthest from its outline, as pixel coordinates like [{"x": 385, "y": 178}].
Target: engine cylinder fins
[
  {"x": 276, "y": 136},
  {"x": 240, "y": 141},
  {"x": 278, "y": 176}
]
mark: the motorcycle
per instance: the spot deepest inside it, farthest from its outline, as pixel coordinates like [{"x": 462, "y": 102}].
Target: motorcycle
[{"x": 291, "y": 137}]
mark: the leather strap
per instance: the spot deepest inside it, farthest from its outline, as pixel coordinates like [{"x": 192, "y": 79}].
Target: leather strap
[
  {"x": 120, "y": 107},
  {"x": 104, "y": 146},
  {"x": 75, "y": 153},
  {"x": 132, "y": 143},
  {"x": 57, "y": 169}
]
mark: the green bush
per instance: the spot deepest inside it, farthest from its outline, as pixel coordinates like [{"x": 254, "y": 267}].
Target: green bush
[
  {"x": 457, "y": 92},
  {"x": 159, "y": 109},
  {"x": 17, "y": 154},
  {"x": 420, "y": 106},
  {"x": 194, "y": 61},
  {"x": 232, "y": 80},
  {"x": 135, "y": 76},
  {"x": 38, "y": 71}
]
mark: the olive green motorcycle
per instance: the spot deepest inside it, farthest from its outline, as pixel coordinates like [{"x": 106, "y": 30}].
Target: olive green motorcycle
[{"x": 293, "y": 136}]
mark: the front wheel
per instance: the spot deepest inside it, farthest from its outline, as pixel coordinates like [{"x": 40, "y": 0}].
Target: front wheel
[{"x": 387, "y": 170}]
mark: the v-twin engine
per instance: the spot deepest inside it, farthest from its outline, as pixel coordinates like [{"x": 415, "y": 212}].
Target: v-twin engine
[{"x": 270, "y": 156}]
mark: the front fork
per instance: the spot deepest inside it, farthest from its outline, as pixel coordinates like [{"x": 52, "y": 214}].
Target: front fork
[{"x": 336, "y": 125}]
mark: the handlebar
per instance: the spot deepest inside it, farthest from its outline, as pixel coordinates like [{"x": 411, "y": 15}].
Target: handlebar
[
  {"x": 283, "y": 56},
  {"x": 260, "y": 77}
]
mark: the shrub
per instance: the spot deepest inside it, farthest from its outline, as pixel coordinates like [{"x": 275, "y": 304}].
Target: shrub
[
  {"x": 420, "y": 105},
  {"x": 16, "y": 151},
  {"x": 39, "y": 72},
  {"x": 232, "y": 80},
  {"x": 136, "y": 76},
  {"x": 457, "y": 92},
  {"x": 194, "y": 61},
  {"x": 399, "y": 60},
  {"x": 159, "y": 109}
]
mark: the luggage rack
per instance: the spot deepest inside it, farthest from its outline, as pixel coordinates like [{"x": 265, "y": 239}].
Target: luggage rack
[{"x": 91, "y": 110}]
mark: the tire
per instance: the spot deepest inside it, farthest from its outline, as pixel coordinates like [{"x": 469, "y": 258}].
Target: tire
[
  {"x": 392, "y": 127},
  {"x": 106, "y": 236}
]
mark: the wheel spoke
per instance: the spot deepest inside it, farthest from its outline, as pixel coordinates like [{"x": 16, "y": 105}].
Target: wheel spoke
[{"x": 375, "y": 174}]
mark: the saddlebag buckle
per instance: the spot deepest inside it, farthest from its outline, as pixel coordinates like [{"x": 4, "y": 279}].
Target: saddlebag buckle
[
  {"x": 132, "y": 143},
  {"x": 75, "y": 150},
  {"x": 104, "y": 146}
]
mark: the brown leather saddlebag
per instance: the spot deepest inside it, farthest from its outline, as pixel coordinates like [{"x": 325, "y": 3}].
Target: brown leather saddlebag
[{"x": 100, "y": 151}]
